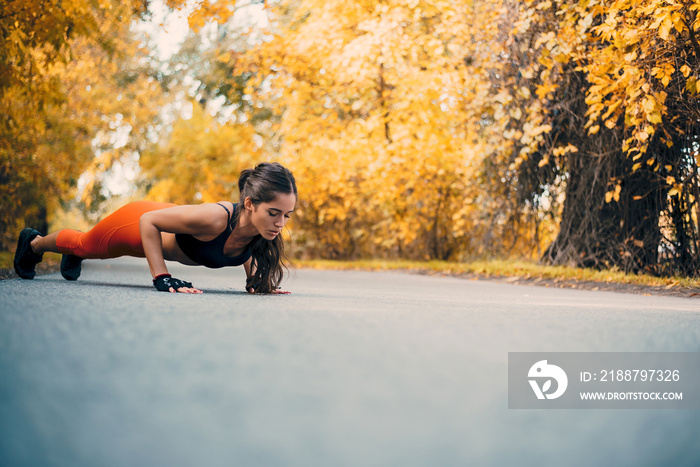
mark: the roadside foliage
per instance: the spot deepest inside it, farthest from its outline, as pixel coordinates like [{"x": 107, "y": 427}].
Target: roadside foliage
[
  {"x": 615, "y": 115},
  {"x": 75, "y": 95},
  {"x": 565, "y": 131}
]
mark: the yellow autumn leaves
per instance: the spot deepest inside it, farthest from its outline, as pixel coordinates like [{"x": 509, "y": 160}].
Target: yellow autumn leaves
[
  {"x": 629, "y": 52},
  {"x": 413, "y": 126},
  {"x": 70, "y": 84},
  {"x": 379, "y": 107},
  {"x": 420, "y": 129}
]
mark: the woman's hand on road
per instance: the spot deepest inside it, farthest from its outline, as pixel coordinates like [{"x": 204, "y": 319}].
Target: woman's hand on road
[
  {"x": 168, "y": 283},
  {"x": 186, "y": 290},
  {"x": 277, "y": 292}
]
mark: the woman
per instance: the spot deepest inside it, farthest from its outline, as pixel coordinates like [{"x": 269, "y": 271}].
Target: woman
[{"x": 212, "y": 234}]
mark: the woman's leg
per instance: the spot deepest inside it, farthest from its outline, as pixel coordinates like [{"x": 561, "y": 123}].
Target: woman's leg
[
  {"x": 41, "y": 245},
  {"x": 116, "y": 235}
]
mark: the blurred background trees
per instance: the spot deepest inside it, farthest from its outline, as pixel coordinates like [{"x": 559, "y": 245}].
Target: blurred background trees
[
  {"x": 565, "y": 131},
  {"x": 76, "y": 94}
]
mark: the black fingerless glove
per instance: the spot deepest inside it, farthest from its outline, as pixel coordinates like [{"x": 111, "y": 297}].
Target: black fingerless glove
[{"x": 163, "y": 282}]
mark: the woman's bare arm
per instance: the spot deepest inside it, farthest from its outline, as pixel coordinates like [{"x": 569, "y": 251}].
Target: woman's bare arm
[
  {"x": 203, "y": 220},
  {"x": 249, "y": 271}
]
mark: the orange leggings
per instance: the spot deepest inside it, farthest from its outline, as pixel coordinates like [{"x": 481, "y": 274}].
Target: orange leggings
[{"x": 116, "y": 235}]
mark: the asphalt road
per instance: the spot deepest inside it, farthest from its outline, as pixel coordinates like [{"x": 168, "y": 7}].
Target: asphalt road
[{"x": 352, "y": 369}]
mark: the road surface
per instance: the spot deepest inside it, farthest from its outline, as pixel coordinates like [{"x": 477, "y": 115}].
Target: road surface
[{"x": 352, "y": 369}]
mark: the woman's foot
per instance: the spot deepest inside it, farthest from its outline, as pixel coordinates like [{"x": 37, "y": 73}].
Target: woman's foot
[
  {"x": 70, "y": 267},
  {"x": 25, "y": 258}
]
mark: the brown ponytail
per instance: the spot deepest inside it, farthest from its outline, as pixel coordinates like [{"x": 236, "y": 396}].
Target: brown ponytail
[{"x": 243, "y": 178}]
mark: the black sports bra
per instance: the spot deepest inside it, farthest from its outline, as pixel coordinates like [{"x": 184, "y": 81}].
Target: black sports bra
[{"x": 211, "y": 253}]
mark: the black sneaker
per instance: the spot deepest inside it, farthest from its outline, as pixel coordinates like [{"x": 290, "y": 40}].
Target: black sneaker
[
  {"x": 70, "y": 267},
  {"x": 25, "y": 259}
]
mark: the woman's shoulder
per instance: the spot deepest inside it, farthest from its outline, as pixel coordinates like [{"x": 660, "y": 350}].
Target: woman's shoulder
[
  {"x": 211, "y": 216},
  {"x": 228, "y": 204}
]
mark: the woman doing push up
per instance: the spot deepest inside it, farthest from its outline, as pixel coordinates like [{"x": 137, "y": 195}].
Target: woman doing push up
[{"x": 211, "y": 234}]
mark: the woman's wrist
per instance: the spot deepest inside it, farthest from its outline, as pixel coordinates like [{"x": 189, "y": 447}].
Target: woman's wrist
[
  {"x": 168, "y": 283},
  {"x": 164, "y": 274}
]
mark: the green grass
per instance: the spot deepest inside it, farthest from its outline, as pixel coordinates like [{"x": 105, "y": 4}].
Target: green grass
[
  {"x": 495, "y": 268},
  {"x": 506, "y": 268},
  {"x": 6, "y": 258}
]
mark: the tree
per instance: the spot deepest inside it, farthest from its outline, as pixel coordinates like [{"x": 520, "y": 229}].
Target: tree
[
  {"x": 436, "y": 129},
  {"x": 615, "y": 85},
  {"x": 73, "y": 85},
  {"x": 201, "y": 160},
  {"x": 380, "y": 111}
]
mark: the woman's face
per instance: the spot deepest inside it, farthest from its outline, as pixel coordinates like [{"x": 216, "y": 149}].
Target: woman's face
[{"x": 270, "y": 218}]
